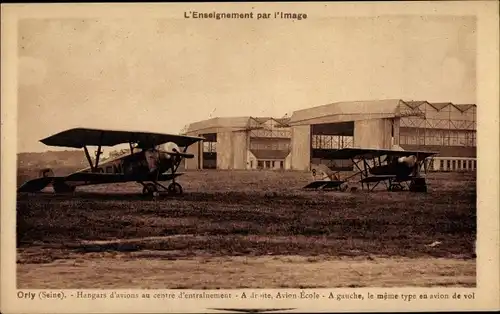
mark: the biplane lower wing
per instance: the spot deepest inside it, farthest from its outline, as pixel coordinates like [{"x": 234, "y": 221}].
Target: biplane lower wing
[
  {"x": 378, "y": 178},
  {"x": 324, "y": 185},
  {"x": 82, "y": 178},
  {"x": 97, "y": 178}
]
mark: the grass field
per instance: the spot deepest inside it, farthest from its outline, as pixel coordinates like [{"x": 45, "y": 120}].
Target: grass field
[{"x": 234, "y": 229}]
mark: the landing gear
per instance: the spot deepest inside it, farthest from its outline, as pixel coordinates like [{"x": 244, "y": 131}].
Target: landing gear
[
  {"x": 152, "y": 189},
  {"x": 418, "y": 185},
  {"x": 394, "y": 187},
  {"x": 174, "y": 189}
]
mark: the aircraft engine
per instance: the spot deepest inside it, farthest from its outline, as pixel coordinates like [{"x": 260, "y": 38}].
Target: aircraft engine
[
  {"x": 410, "y": 161},
  {"x": 171, "y": 148}
]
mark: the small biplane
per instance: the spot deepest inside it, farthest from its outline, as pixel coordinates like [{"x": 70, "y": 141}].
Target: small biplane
[
  {"x": 395, "y": 168},
  {"x": 147, "y": 163}
]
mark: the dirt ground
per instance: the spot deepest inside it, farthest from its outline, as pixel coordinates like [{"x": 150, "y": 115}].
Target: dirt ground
[{"x": 237, "y": 229}]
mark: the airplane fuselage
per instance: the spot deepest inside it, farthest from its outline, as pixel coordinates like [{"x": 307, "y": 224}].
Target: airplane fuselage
[
  {"x": 401, "y": 168},
  {"x": 140, "y": 162}
]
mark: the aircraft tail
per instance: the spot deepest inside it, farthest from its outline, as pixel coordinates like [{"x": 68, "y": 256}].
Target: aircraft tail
[
  {"x": 321, "y": 172},
  {"x": 35, "y": 185}
]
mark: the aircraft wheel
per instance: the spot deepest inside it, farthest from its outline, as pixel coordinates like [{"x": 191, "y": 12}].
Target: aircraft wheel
[
  {"x": 396, "y": 188},
  {"x": 149, "y": 189},
  {"x": 175, "y": 189}
]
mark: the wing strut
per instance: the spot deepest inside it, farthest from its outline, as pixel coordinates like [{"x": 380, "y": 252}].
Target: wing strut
[
  {"x": 88, "y": 158},
  {"x": 97, "y": 155},
  {"x": 93, "y": 166}
]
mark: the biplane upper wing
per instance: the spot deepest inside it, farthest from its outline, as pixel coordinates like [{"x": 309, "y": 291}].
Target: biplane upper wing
[
  {"x": 81, "y": 137},
  {"x": 354, "y": 153},
  {"x": 377, "y": 178}
]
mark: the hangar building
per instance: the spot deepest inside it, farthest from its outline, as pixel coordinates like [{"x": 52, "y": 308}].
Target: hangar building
[
  {"x": 241, "y": 143},
  {"x": 310, "y": 134}
]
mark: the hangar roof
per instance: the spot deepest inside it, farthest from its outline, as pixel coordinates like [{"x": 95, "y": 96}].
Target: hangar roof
[
  {"x": 353, "y": 110},
  {"x": 212, "y": 125},
  {"x": 331, "y": 113},
  {"x": 216, "y": 125}
]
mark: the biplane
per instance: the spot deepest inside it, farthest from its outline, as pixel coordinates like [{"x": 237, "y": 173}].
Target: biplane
[
  {"x": 393, "y": 168},
  {"x": 153, "y": 158}
]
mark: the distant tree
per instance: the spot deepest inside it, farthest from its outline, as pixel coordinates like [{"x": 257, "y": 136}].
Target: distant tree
[{"x": 118, "y": 153}]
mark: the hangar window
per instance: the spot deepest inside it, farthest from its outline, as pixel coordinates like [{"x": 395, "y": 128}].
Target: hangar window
[
  {"x": 470, "y": 164},
  {"x": 468, "y": 139},
  {"x": 260, "y": 164},
  {"x": 412, "y": 140},
  {"x": 446, "y": 139},
  {"x": 453, "y": 165},
  {"x": 268, "y": 145},
  {"x": 270, "y": 129},
  {"x": 448, "y": 164},
  {"x": 441, "y": 165},
  {"x": 268, "y": 164},
  {"x": 453, "y": 138},
  {"x": 421, "y": 140},
  {"x": 437, "y": 138},
  {"x": 462, "y": 139},
  {"x": 281, "y": 164},
  {"x": 475, "y": 164},
  {"x": 331, "y": 141},
  {"x": 209, "y": 147}
]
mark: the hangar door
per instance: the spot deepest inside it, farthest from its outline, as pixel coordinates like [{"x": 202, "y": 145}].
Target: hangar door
[
  {"x": 329, "y": 137},
  {"x": 209, "y": 151}
]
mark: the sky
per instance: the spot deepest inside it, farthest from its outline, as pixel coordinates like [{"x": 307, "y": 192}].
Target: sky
[{"x": 161, "y": 74}]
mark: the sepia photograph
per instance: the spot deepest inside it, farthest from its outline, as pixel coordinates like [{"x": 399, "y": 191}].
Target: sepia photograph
[{"x": 247, "y": 147}]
